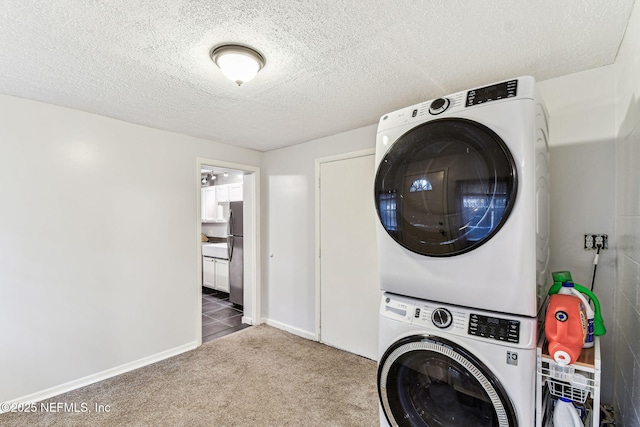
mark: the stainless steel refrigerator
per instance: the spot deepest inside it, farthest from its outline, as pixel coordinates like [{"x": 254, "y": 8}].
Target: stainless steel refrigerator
[{"x": 234, "y": 248}]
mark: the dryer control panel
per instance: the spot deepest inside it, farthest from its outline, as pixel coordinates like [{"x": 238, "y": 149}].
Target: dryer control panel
[
  {"x": 494, "y": 92},
  {"x": 453, "y": 104}
]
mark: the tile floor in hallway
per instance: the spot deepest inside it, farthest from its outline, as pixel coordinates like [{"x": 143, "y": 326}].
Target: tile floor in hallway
[{"x": 219, "y": 316}]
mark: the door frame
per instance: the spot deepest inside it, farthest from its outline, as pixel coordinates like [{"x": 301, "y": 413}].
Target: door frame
[
  {"x": 318, "y": 162},
  {"x": 251, "y": 257}
]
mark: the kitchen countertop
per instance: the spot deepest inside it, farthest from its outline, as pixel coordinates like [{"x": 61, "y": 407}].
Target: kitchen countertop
[{"x": 216, "y": 239}]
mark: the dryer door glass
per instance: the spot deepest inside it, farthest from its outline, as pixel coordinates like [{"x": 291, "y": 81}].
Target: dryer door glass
[
  {"x": 445, "y": 187},
  {"x": 427, "y": 381}
]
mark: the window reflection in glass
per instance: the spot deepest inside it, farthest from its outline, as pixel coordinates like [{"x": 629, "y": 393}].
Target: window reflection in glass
[
  {"x": 445, "y": 187},
  {"x": 421, "y": 184},
  {"x": 387, "y": 211}
]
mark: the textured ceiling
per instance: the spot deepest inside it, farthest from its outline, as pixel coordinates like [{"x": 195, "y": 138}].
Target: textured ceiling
[{"x": 331, "y": 66}]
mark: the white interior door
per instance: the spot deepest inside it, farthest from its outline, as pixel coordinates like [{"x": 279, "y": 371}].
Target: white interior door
[{"x": 349, "y": 289}]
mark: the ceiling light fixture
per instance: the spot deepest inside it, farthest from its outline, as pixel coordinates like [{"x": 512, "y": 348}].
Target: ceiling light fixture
[
  {"x": 205, "y": 179},
  {"x": 239, "y": 64}
]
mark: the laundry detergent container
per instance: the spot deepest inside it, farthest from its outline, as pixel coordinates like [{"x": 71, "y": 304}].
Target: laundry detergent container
[{"x": 565, "y": 327}]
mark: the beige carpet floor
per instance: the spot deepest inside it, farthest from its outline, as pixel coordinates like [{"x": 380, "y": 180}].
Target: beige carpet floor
[{"x": 260, "y": 376}]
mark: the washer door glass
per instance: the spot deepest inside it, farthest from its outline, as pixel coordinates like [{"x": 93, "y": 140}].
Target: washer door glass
[
  {"x": 428, "y": 381},
  {"x": 445, "y": 187}
]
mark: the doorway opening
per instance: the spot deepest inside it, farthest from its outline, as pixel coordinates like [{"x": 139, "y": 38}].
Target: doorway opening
[{"x": 228, "y": 258}]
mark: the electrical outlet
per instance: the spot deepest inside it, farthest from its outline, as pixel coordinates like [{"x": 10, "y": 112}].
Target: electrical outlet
[
  {"x": 596, "y": 241},
  {"x": 588, "y": 241}
]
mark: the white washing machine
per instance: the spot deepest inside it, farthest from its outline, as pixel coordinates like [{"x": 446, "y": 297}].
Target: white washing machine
[
  {"x": 461, "y": 192},
  {"x": 444, "y": 365}
]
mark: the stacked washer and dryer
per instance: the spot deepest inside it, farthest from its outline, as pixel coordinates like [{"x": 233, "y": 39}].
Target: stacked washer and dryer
[{"x": 461, "y": 191}]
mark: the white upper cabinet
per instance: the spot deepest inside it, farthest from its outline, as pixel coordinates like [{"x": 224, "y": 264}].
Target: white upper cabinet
[
  {"x": 210, "y": 204},
  {"x": 222, "y": 193},
  {"x": 214, "y": 201},
  {"x": 235, "y": 192},
  {"x": 203, "y": 205}
]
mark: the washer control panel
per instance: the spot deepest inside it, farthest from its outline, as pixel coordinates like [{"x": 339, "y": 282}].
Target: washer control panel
[
  {"x": 494, "y": 327},
  {"x": 436, "y": 316},
  {"x": 464, "y": 322}
]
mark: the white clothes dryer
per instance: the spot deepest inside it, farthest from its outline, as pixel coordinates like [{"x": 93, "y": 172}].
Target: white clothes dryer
[
  {"x": 461, "y": 191},
  {"x": 445, "y": 365}
]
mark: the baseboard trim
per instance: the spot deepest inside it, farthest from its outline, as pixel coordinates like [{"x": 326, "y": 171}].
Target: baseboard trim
[
  {"x": 296, "y": 331},
  {"x": 100, "y": 376}
]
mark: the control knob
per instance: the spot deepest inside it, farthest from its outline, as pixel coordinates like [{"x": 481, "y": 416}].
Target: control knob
[
  {"x": 441, "y": 318},
  {"x": 439, "y": 106}
]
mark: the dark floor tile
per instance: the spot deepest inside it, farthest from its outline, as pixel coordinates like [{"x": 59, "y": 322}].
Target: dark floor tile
[
  {"x": 212, "y": 306},
  {"x": 225, "y": 332},
  {"x": 208, "y": 291},
  {"x": 209, "y": 338},
  {"x": 216, "y": 293},
  {"x": 224, "y": 313},
  {"x": 207, "y": 320},
  {"x": 213, "y": 327},
  {"x": 226, "y": 303},
  {"x": 233, "y": 321},
  {"x": 206, "y": 298},
  {"x": 219, "y": 316}
]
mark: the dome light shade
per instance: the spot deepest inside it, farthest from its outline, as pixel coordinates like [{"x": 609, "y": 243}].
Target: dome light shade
[{"x": 239, "y": 64}]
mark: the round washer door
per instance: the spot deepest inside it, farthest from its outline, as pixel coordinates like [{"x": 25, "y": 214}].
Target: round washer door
[
  {"x": 429, "y": 381},
  {"x": 445, "y": 187}
]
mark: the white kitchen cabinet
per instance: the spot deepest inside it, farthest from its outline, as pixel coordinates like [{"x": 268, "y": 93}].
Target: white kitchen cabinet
[
  {"x": 210, "y": 203},
  {"x": 235, "y": 192},
  {"x": 209, "y": 272},
  {"x": 222, "y": 275},
  {"x": 215, "y": 273},
  {"x": 203, "y": 205},
  {"x": 215, "y": 200},
  {"x": 222, "y": 193}
]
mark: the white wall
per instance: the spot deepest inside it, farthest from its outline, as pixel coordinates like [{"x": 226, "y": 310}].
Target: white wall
[
  {"x": 289, "y": 219},
  {"x": 582, "y": 158},
  {"x": 627, "y": 325},
  {"x": 97, "y": 244}
]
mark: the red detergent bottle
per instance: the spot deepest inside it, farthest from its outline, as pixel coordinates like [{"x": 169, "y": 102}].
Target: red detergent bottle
[{"x": 565, "y": 327}]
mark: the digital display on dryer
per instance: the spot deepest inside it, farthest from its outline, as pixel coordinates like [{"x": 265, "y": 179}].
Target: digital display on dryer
[
  {"x": 494, "y": 328},
  {"x": 492, "y": 93}
]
